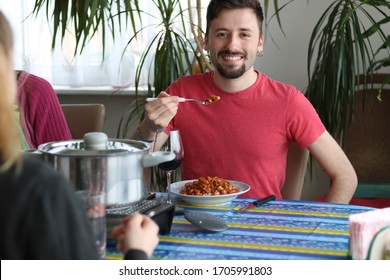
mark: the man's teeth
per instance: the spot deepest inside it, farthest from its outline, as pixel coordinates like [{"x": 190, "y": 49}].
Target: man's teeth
[{"x": 232, "y": 57}]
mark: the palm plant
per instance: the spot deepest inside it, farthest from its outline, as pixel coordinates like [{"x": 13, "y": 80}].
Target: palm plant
[
  {"x": 340, "y": 49},
  {"x": 87, "y": 18},
  {"x": 173, "y": 54},
  {"x": 378, "y": 64}
]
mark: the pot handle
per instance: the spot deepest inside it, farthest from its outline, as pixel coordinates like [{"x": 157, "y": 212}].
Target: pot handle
[{"x": 156, "y": 158}]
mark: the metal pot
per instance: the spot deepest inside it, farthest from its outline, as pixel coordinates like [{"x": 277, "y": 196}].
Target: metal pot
[{"x": 98, "y": 164}]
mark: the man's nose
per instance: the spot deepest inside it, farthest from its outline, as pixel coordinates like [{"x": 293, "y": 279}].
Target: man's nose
[{"x": 233, "y": 42}]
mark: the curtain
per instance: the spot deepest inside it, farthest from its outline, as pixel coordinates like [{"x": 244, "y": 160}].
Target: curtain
[
  {"x": 60, "y": 66},
  {"x": 33, "y": 52}
]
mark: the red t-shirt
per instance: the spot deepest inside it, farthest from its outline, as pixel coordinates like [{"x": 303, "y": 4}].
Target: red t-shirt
[{"x": 245, "y": 135}]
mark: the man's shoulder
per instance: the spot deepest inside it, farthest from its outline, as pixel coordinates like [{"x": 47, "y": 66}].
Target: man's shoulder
[
  {"x": 267, "y": 81},
  {"x": 195, "y": 77},
  {"x": 193, "y": 81},
  {"x": 278, "y": 89}
]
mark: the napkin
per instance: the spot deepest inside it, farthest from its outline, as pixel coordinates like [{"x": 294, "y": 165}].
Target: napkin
[{"x": 362, "y": 229}]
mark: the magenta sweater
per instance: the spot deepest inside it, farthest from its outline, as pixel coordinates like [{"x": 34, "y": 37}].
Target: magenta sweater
[{"x": 41, "y": 117}]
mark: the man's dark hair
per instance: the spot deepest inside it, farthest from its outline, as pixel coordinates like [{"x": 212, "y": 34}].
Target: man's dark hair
[{"x": 216, "y": 6}]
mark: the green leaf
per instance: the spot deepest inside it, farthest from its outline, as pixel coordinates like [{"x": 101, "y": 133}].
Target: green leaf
[{"x": 339, "y": 50}]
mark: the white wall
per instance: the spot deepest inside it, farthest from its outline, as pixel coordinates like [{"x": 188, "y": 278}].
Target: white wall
[
  {"x": 284, "y": 58},
  {"x": 286, "y": 61}
]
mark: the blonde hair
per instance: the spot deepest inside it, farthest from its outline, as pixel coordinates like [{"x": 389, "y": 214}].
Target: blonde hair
[{"x": 9, "y": 133}]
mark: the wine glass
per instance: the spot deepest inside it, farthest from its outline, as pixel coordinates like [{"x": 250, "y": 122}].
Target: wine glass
[{"x": 175, "y": 145}]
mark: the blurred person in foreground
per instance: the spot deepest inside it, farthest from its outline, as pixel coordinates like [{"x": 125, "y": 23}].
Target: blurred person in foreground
[
  {"x": 246, "y": 134},
  {"x": 40, "y": 216}
]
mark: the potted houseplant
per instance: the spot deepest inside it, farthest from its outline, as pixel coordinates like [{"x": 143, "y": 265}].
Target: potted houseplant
[
  {"x": 340, "y": 49},
  {"x": 172, "y": 52}
]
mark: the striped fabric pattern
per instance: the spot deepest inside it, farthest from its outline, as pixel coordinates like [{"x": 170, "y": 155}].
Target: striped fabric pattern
[{"x": 281, "y": 229}]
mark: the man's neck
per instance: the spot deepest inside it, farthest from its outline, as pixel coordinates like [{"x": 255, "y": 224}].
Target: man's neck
[{"x": 235, "y": 85}]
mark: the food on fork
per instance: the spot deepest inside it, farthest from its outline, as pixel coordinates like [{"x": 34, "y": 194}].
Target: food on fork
[
  {"x": 212, "y": 99},
  {"x": 209, "y": 186}
]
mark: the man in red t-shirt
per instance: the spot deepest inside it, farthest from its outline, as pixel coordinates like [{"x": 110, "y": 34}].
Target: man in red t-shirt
[{"x": 244, "y": 136}]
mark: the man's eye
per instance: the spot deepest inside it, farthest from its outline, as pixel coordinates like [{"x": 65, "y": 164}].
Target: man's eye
[{"x": 221, "y": 34}]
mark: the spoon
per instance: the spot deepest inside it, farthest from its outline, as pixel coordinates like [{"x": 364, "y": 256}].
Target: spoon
[
  {"x": 202, "y": 220},
  {"x": 210, "y": 100}
]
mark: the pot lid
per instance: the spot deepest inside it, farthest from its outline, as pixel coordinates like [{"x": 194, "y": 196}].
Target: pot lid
[{"x": 94, "y": 144}]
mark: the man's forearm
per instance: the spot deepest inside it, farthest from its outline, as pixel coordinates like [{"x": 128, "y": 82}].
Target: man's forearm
[
  {"x": 144, "y": 134},
  {"x": 342, "y": 190}
]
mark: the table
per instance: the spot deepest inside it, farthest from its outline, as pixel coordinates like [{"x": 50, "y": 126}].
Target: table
[{"x": 280, "y": 229}]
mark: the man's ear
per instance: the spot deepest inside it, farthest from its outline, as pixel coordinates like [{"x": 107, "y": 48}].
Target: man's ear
[
  {"x": 206, "y": 44},
  {"x": 260, "y": 46}
]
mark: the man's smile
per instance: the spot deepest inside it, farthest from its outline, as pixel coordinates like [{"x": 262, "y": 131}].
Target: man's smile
[{"x": 232, "y": 57}]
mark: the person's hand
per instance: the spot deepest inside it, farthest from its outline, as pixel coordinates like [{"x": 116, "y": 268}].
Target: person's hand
[
  {"x": 159, "y": 112},
  {"x": 137, "y": 232}
]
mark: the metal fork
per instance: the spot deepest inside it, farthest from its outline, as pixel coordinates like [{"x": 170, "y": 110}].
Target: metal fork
[{"x": 182, "y": 99}]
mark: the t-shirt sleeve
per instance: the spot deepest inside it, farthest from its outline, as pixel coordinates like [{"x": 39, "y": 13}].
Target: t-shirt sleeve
[{"x": 304, "y": 125}]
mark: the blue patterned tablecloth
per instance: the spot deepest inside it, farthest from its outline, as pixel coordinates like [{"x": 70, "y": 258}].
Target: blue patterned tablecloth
[{"x": 280, "y": 229}]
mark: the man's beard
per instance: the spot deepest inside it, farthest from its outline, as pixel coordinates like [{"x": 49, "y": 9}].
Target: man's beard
[{"x": 230, "y": 74}]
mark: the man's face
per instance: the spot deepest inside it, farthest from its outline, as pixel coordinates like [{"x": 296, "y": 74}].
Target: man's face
[{"x": 233, "y": 41}]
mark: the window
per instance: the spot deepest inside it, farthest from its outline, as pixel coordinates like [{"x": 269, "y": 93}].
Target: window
[{"x": 33, "y": 51}]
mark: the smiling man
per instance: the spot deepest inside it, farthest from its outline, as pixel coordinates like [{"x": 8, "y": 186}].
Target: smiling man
[
  {"x": 233, "y": 40},
  {"x": 245, "y": 136}
]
